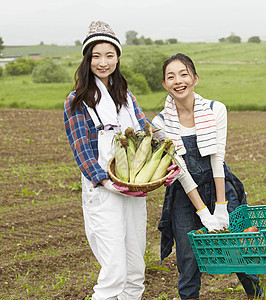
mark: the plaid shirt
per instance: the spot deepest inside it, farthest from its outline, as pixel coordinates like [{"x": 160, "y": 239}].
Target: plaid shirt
[{"x": 83, "y": 138}]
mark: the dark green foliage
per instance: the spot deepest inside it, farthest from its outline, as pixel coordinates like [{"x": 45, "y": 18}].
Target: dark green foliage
[
  {"x": 254, "y": 39},
  {"x": 48, "y": 72},
  {"x": 222, "y": 40},
  {"x": 21, "y": 66},
  {"x": 130, "y": 37},
  {"x": 159, "y": 42},
  {"x": 231, "y": 39},
  {"x": 135, "y": 41},
  {"x": 1, "y": 71},
  {"x": 148, "y": 41},
  {"x": 137, "y": 82},
  {"x": 78, "y": 43},
  {"x": 1, "y": 44},
  {"x": 234, "y": 39},
  {"x": 149, "y": 63},
  {"x": 172, "y": 41}
]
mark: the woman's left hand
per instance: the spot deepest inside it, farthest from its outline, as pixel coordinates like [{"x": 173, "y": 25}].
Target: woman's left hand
[
  {"x": 221, "y": 213},
  {"x": 172, "y": 177}
]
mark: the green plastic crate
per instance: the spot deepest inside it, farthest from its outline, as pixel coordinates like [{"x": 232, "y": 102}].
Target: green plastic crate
[{"x": 227, "y": 253}]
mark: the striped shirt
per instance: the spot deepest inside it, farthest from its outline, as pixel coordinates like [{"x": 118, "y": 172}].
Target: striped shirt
[{"x": 217, "y": 159}]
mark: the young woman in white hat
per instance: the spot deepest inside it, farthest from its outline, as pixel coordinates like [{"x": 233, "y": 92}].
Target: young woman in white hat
[{"x": 115, "y": 219}]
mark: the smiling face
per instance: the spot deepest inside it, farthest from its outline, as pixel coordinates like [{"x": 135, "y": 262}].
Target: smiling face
[
  {"x": 179, "y": 80},
  {"x": 103, "y": 62}
]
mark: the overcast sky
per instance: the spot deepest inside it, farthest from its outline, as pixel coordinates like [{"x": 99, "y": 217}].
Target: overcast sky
[{"x": 62, "y": 22}]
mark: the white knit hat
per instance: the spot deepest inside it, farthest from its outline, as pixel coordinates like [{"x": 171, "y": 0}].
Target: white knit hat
[{"x": 101, "y": 31}]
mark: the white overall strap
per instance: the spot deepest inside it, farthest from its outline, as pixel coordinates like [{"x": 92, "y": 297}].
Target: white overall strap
[
  {"x": 93, "y": 115},
  {"x": 105, "y": 140}
]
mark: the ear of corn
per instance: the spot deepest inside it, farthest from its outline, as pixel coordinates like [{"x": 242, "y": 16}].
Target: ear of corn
[
  {"x": 165, "y": 162},
  {"x": 142, "y": 152},
  {"x": 148, "y": 170},
  {"x": 149, "y": 154},
  {"x": 131, "y": 149},
  {"x": 140, "y": 158},
  {"x": 131, "y": 152},
  {"x": 121, "y": 163}
]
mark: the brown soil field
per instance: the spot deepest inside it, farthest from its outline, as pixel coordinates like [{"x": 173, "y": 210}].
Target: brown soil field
[{"x": 44, "y": 253}]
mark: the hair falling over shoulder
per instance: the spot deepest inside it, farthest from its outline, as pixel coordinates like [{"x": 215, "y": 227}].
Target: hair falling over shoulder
[{"x": 86, "y": 88}]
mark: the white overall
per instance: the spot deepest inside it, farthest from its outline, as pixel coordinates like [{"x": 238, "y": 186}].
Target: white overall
[{"x": 116, "y": 230}]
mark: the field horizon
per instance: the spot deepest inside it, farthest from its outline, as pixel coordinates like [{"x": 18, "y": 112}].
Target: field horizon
[{"x": 231, "y": 73}]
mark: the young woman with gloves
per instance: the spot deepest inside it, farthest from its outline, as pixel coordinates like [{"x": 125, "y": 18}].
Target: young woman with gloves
[
  {"x": 115, "y": 219},
  {"x": 204, "y": 189}
]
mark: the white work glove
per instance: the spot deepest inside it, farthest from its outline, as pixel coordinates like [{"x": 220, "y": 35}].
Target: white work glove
[
  {"x": 221, "y": 213},
  {"x": 208, "y": 220},
  {"x": 172, "y": 177},
  {"x": 114, "y": 188}
]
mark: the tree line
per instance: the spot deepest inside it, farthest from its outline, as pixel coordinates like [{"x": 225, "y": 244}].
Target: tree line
[
  {"x": 132, "y": 39},
  {"x": 237, "y": 39}
]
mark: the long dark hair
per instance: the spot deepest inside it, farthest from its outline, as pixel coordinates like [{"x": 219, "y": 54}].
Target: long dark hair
[
  {"x": 86, "y": 87},
  {"x": 187, "y": 61}
]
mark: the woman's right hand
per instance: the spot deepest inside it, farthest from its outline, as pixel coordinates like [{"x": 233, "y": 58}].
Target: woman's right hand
[
  {"x": 114, "y": 188},
  {"x": 208, "y": 220}
]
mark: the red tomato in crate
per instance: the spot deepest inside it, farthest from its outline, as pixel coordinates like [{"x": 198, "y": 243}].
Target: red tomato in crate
[{"x": 251, "y": 229}]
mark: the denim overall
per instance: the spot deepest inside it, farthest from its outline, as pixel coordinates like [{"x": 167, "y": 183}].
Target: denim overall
[
  {"x": 179, "y": 218},
  {"x": 184, "y": 218}
]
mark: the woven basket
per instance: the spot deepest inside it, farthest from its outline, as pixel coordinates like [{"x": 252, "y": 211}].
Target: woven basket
[{"x": 134, "y": 187}]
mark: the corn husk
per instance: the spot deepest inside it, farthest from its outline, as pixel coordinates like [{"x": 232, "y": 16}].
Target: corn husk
[
  {"x": 151, "y": 165},
  {"x": 165, "y": 163},
  {"x": 131, "y": 152},
  {"x": 131, "y": 149},
  {"x": 142, "y": 152},
  {"x": 121, "y": 162}
]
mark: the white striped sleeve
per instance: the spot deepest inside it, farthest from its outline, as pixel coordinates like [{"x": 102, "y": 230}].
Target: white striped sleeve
[
  {"x": 158, "y": 122},
  {"x": 217, "y": 160}
]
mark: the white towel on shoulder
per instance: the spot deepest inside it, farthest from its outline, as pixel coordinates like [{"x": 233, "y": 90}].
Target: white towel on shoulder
[
  {"x": 106, "y": 110},
  {"x": 205, "y": 125}
]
